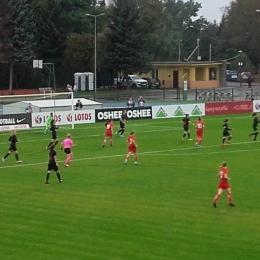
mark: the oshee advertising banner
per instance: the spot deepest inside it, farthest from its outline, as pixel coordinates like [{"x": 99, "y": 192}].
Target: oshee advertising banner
[
  {"x": 170, "y": 111},
  {"x": 222, "y": 108},
  {"x": 15, "y": 119},
  {"x": 131, "y": 113},
  {"x": 65, "y": 117}
]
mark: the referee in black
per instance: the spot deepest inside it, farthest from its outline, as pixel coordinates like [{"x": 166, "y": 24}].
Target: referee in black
[{"x": 186, "y": 126}]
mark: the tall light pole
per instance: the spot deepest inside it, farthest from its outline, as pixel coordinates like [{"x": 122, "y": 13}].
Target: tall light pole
[
  {"x": 95, "y": 69},
  {"x": 179, "y": 56},
  {"x": 198, "y": 40}
]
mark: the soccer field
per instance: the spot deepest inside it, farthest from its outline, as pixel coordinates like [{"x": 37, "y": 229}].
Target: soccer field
[{"x": 157, "y": 210}]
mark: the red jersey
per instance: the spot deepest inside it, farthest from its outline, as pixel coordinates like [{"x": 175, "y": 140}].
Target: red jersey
[
  {"x": 131, "y": 141},
  {"x": 109, "y": 129},
  {"x": 199, "y": 126},
  {"x": 223, "y": 178},
  {"x": 131, "y": 144}
]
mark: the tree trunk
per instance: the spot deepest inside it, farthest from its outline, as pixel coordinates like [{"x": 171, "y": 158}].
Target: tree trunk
[{"x": 11, "y": 78}]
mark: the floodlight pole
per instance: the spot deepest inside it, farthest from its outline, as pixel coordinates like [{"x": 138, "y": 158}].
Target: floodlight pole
[{"x": 95, "y": 58}]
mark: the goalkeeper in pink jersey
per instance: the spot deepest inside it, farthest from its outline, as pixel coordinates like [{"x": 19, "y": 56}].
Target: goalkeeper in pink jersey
[{"x": 66, "y": 145}]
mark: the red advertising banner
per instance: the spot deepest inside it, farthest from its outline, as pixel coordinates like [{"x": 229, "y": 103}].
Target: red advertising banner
[{"x": 221, "y": 108}]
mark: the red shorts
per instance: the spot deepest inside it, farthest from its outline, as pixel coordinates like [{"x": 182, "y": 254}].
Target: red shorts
[
  {"x": 223, "y": 186},
  {"x": 108, "y": 134},
  {"x": 199, "y": 134},
  {"x": 132, "y": 149}
]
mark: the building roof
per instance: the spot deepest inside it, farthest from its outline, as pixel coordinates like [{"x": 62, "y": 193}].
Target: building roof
[{"x": 186, "y": 63}]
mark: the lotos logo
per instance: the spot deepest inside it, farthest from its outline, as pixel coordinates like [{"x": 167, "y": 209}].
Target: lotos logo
[
  {"x": 38, "y": 119},
  {"x": 257, "y": 106},
  {"x": 69, "y": 118}
]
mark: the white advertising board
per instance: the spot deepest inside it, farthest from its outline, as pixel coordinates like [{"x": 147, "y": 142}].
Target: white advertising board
[
  {"x": 256, "y": 106},
  {"x": 14, "y": 127},
  {"x": 170, "y": 111},
  {"x": 65, "y": 117}
]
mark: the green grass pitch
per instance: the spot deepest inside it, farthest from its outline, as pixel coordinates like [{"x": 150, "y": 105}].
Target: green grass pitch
[{"x": 157, "y": 210}]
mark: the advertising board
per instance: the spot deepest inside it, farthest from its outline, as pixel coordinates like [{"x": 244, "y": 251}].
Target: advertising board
[
  {"x": 15, "y": 119},
  {"x": 65, "y": 117},
  {"x": 170, "y": 111},
  {"x": 102, "y": 115},
  {"x": 222, "y": 108}
]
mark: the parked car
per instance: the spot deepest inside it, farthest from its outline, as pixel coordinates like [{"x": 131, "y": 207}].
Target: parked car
[
  {"x": 232, "y": 75},
  {"x": 244, "y": 77},
  {"x": 134, "y": 82},
  {"x": 153, "y": 82}
]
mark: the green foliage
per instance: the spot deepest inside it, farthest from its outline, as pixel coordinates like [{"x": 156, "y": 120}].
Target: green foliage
[
  {"x": 160, "y": 38},
  {"x": 17, "y": 34},
  {"x": 247, "y": 64},
  {"x": 126, "y": 40},
  {"x": 160, "y": 209},
  {"x": 49, "y": 38},
  {"x": 23, "y": 31},
  {"x": 182, "y": 16},
  {"x": 79, "y": 51},
  {"x": 56, "y": 19},
  {"x": 5, "y": 43},
  {"x": 241, "y": 28},
  {"x": 17, "y": 31}
]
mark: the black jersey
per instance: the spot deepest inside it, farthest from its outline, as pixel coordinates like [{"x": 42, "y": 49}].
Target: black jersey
[
  {"x": 13, "y": 139},
  {"x": 255, "y": 122},
  {"x": 226, "y": 129},
  {"x": 185, "y": 121},
  {"x": 123, "y": 118},
  {"x": 53, "y": 128},
  {"x": 52, "y": 155}
]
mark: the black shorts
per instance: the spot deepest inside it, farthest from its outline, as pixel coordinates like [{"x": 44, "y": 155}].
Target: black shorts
[
  {"x": 67, "y": 150},
  {"x": 52, "y": 167},
  {"x": 122, "y": 125},
  {"x": 255, "y": 128},
  {"x": 186, "y": 128},
  {"x": 12, "y": 148},
  {"x": 225, "y": 134},
  {"x": 54, "y": 135}
]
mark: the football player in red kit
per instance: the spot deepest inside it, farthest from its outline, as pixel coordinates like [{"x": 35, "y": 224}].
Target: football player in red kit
[
  {"x": 108, "y": 132},
  {"x": 223, "y": 185},
  {"x": 200, "y": 126}
]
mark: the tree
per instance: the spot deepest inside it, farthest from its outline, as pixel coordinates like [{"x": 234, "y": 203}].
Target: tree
[
  {"x": 240, "y": 25},
  {"x": 159, "y": 33},
  {"x": 19, "y": 30},
  {"x": 79, "y": 52},
  {"x": 183, "y": 14},
  {"x": 125, "y": 39},
  {"x": 5, "y": 43}
]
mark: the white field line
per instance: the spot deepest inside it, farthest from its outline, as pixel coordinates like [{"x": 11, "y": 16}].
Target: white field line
[
  {"x": 90, "y": 126},
  {"x": 158, "y": 152},
  {"x": 97, "y": 135}
]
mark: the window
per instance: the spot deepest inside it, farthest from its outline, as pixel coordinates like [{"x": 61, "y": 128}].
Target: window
[{"x": 212, "y": 74}]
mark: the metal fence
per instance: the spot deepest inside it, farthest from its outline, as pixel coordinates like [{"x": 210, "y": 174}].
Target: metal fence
[
  {"x": 228, "y": 94},
  {"x": 147, "y": 94}
]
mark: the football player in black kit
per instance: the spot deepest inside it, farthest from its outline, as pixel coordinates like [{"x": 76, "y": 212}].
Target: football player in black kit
[
  {"x": 255, "y": 123},
  {"x": 52, "y": 165},
  {"x": 186, "y": 125},
  {"x": 12, "y": 149},
  {"x": 53, "y": 129},
  {"x": 122, "y": 123},
  {"x": 226, "y": 135}
]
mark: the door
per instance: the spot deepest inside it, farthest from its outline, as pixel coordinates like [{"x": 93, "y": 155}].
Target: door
[{"x": 175, "y": 79}]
